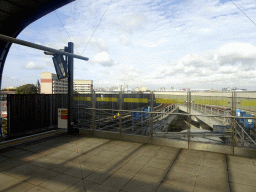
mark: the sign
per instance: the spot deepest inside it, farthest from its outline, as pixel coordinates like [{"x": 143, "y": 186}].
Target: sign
[
  {"x": 60, "y": 66},
  {"x": 62, "y": 118}
]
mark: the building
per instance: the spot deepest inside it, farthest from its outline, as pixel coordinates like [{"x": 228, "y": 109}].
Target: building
[
  {"x": 125, "y": 88},
  {"x": 38, "y": 86},
  {"x": 50, "y": 84},
  {"x": 83, "y": 86},
  {"x": 233, "y": 89},
  {"x": 143, "y": 88}
]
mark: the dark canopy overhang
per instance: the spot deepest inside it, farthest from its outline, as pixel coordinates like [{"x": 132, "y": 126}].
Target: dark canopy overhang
[{"x": 16, "y": 15}]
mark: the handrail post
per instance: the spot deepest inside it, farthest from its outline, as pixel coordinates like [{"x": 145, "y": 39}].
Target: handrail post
[
  {"x": 120, "y": 113},
  {"x": 151, "y": 115},
  {"x": 93, "y": 111},
  {"x": 233, "y": 120},
  {"x": 189, "y": 117}
]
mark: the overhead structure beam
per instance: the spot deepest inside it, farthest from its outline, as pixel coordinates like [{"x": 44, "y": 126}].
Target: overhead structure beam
[{"x": 40, "y": 47}]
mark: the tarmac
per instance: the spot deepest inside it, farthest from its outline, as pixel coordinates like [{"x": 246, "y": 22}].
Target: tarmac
[{"x": 76, "y": 163}]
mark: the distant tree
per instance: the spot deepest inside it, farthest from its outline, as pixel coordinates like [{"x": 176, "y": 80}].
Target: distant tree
[
  {"x": 27, "y": 89},
  {"x": 12, "y": 89}
]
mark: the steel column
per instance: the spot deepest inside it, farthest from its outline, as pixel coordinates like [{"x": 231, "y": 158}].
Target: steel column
[{"x": 70, "y": 88}]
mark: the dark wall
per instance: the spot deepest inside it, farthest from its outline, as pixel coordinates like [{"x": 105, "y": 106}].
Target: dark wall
[{"x": 33, "y": 111}]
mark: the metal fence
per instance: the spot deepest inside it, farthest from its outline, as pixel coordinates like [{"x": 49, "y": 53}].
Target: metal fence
[
  {"x": 27, "y": 112},
  {"x": 184, "y": 116}
]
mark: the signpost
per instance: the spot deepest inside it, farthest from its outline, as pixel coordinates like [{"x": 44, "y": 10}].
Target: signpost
[
  {"x": 61, "y": 67},
  {"x": 64, "y": 69}
]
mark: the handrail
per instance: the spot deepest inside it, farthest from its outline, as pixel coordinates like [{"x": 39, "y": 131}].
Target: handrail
[
  {"x": 171, "y": 113},
  {"x": 246, "y": 133}
]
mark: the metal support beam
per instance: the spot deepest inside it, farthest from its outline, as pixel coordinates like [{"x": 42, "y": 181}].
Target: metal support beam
[{"x": 40, "y": 47}]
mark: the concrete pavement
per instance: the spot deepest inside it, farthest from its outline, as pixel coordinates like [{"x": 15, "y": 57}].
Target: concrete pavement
[{"x": 81, "y": 163}]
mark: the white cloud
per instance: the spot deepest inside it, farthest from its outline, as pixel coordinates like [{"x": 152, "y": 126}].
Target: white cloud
[
  {"x": 103, "y": 59},
  {"x": 131, "y": 23},
  {"x": 32, "y": 65},
  {"x": 199, "y": 37},
  {"x": 152, "y": 44},
  {"x": 98, "y": 45},
  {"x": 228, "y": 69},
  {"x": 216, "y": 66},
  {"x": 125, "y": 40}
]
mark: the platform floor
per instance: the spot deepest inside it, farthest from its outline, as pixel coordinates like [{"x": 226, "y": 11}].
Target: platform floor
[{"x": 80, "y": 163}]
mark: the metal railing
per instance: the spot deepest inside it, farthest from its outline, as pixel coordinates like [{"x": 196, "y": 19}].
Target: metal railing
[
  {"x": 89, "y": 116},
  {"x": 150, "y": 126}
]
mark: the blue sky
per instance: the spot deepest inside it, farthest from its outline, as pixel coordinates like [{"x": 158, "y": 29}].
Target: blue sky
[{"x": 198, "y": 44}]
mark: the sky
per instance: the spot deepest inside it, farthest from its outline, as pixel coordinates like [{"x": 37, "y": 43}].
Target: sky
[{"x": 196, "y": 44}]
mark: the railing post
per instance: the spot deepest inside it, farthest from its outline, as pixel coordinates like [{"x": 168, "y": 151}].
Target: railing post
[
  {"x": 120, "y": 113},
  {"x": 189, "y": 117},
  {"x": 151, "y": 115},
  {"x": 233, "y": 120},
  {"x": 93, "y": 111},
  {"x": 243, "y": 138},
  {"x": 224, "y": 122}
]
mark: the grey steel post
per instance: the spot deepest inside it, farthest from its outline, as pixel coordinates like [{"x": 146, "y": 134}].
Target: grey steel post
[
  {"x": 93, "y": 111},
  {"x": 243, "y": 139},
  {"x": 120, "y": 113},
  {"x": 151, "y": 115},
  {"x": 189, "y": 117},
  {"x": 233, "y": 120},
  {"x": 70, "y": 88}
]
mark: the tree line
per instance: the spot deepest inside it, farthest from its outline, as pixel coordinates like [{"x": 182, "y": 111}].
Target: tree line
[{"x": 28, "y": 89}]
